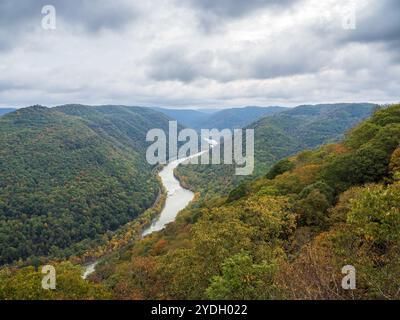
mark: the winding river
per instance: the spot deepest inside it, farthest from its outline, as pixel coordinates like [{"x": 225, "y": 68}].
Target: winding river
[{"x": 178, "y": 198}]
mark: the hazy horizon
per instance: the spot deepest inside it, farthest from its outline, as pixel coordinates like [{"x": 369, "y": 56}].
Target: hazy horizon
[{"x": 200, "y": 108}]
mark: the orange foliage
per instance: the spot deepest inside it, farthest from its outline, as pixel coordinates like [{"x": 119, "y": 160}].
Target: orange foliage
[{"x": 159, "y": 247}]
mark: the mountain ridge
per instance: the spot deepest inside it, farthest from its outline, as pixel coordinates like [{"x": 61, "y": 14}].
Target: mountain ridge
[
  {"x": 71, "y": 174},
  {"x": 278, "y": 136},
  {"x": 230, "y": 118}
]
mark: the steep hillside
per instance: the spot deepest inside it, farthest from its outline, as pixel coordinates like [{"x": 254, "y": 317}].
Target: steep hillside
[
  {"x": 285, "y": 236},
  {"x": 70, "y": 174},
  {"x": 277, "y": 137},
  {"x": 125, "y": 126}
]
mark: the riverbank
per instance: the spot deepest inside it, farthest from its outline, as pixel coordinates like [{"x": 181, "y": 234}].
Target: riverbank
[
  {"x": 122, "y": 237},
  {"x": 176, "y": 198}
]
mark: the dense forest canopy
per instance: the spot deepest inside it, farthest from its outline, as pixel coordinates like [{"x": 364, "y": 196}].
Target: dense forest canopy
[
  {"x": 70, "y": 174},
  {"x": 285, "y": 235},
  {"x": 278, "y": 136}
]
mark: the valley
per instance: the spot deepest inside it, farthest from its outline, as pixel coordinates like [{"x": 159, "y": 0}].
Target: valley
[
  {"x": 278, "y": 136},
  {"x": 307, "y": 217},
  {"x": 199, "y": 157},
  {"x": 177, "y": 199},
  {"x": 230, "y": 118},
  {"x": 262, "y": 228}
]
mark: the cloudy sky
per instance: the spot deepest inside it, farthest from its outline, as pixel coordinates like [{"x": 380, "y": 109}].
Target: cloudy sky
[{"x": 200, "y": 53}]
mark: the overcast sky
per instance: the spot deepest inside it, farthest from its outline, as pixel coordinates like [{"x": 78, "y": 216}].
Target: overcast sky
[{"x": 200, "y": 53}]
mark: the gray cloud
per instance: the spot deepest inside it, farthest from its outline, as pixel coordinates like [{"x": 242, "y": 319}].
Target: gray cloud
[
  {"x": 379, "y": 24},
  {"x": 252, "y": 61},
  {"x": 92, "y": 15},
  {"x": 235, "y": 8},
  {"x": 153, "y": 53},
  {"x": 167, "y": 65},
  {"x": 21, "y": 17},
  {"x": 213, "y": 13}
]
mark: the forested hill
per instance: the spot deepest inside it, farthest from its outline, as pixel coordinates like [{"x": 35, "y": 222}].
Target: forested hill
[
  {"x": 286, "y": 235},
  {"x": 278, "y": 136},
  {"x": 122, "y": 125},
  {"x": 70, "y": 174},
  {"x": 314, "y": 125}
]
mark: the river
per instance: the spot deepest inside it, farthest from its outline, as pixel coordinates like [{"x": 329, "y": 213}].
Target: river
[{"x": 178, "y": 198}]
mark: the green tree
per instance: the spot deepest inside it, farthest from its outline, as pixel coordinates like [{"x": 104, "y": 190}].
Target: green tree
[
  {"x": 279, "y": 168},
  {"x": 241, "y": 279}
]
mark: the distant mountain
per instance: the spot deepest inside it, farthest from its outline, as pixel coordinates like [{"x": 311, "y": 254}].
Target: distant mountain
[
  {"x": 4, "y": 111},
  {"x": 209, "y": 110},
  {"x": 236, "y": 118},
  {"x": 219, "y": 119},
  {"x": 71, "y": 174},
  {"x": 308, "y": 126},
  {"x": 185, "y": 117},
  {"x": 278, "y": 136}
]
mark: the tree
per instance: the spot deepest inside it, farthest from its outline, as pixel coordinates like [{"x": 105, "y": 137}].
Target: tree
[
  {"x": 241, "y": 279},
  {"x": 26, "y": 284},
  {"x": 394, "y": 165},
  {"x": 376, "y": 214},
  {"x": 279, "y": 168},
  {"x": 312, "y": 209}
]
